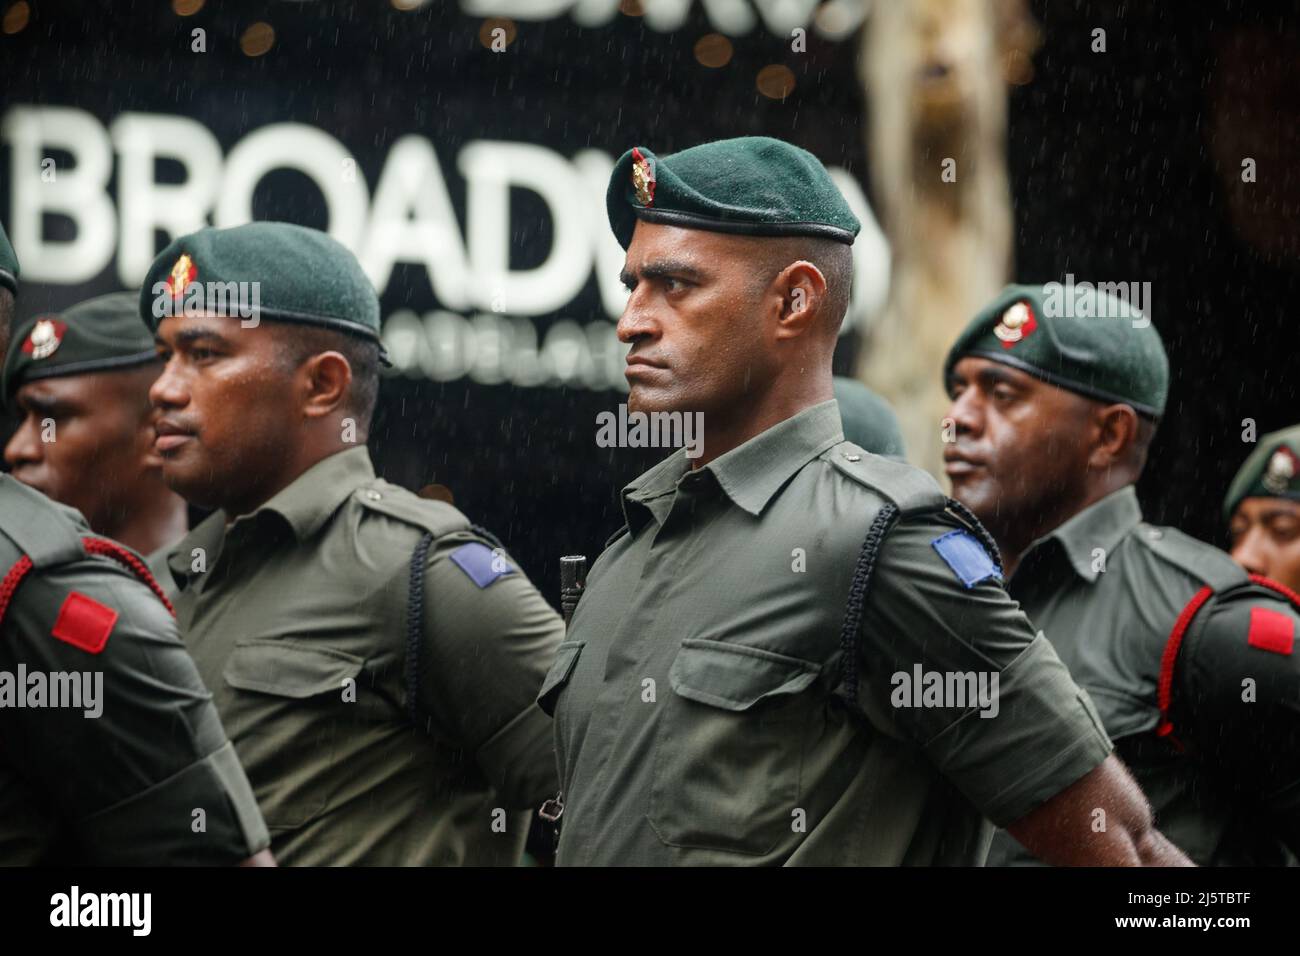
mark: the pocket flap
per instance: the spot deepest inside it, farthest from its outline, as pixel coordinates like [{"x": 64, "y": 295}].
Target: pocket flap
[
  {"x": 566, "y": 655},
  {"x": 736, "y": 677},
  {"x": 289, "y": 670}
]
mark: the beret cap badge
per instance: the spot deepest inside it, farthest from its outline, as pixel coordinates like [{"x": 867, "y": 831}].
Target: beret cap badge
[
  {"x": 1016, "y": 324},
  {"x": 1281, "y": 469},
  {"x": 45, "y": 339},
  {"x": 643, "y": 178},
  {"x": 183, "y": 273}
]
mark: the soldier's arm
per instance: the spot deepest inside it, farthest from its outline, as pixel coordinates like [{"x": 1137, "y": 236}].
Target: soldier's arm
[
  {"x": 143, "y": 770},
  {"x": 490, "y": 638},
  {"x": 1106, "y": 804},
  {"x": 1032, "y": 754},
  {"x": 1237, "y": 704}
]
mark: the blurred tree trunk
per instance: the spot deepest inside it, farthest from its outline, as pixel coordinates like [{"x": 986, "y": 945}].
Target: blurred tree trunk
[{"x": 936, "y": 75}]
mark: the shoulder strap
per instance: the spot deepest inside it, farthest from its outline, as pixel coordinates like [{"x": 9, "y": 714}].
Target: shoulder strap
[
  {"x": 911, "y": 490},
  {"x": 436, "y": 517},
  {"x": 1169, "y": 660}
]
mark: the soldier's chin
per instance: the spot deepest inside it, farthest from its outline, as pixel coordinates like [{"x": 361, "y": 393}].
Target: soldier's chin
[
  {"x": 647, "y": 399},
  {"x": 188, "y": 482}
]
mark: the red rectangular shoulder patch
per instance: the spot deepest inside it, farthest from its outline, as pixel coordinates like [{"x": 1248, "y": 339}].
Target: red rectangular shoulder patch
[
  {"x": 85, "y": 623},
  {"x": 1271, "y": 631}
]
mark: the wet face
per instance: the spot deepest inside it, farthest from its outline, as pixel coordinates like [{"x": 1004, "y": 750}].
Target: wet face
[
  {"x": 85, "y": 440},
  {"x": 693, "y": 319},
  {"x": 1022, "y": 446},
  {"x": 227, "y": 408},
  {"x": 1265, "y": 538}
]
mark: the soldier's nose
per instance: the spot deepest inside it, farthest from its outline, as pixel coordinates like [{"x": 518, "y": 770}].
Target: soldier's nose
[
  {"x": 1250, "y": 556},
  {"x": 23, "y": 446}
]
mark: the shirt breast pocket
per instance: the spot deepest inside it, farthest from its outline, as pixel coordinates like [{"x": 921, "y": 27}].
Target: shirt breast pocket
[
  {"x": 729, "y": 755},
  {"x": 566, "y": 657},
  {"x": 293, "y": 706}
]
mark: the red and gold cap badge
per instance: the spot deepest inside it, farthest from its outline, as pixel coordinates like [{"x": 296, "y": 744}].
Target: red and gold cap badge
[
  {"x": 46, "y": 337},
  {"x": 1017, "y": 324},
  {"x": 1283, "y": 465},
  {"x": 182, "y": 274},
  {"x": 643, "y": 178}
]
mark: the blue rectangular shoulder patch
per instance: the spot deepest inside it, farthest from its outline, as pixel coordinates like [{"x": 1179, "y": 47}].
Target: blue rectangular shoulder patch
[
  {"x": 480, "y": 563},
  {"x": 962, "y": 552}
]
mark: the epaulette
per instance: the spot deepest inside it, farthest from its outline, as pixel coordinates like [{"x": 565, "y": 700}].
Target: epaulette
[
  {"x": 435, "y": 517},
  {"x": 38, "y": 527},
  {"x": 1209, "y": 565},
  {"x": 909, "y": 489}
]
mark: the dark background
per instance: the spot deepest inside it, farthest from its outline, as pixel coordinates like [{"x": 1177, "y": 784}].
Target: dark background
[{"x": 1124, "y": 165}]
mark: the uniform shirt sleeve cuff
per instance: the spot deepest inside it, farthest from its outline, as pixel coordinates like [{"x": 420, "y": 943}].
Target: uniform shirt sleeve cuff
[
  {"x": 519, "y": 760},
  {"x": 160, "y": 826},
  {"x": 1050, "y": 737}
]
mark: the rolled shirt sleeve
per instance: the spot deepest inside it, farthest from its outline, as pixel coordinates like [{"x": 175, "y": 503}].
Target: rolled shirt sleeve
[
  {"x": 148, "y": 777},
  {"x": 1029, "y": 733},
  {"x": 488, "y": 647}
]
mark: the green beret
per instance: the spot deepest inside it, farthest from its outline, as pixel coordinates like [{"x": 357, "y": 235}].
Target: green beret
[
  {"x": 868, "y": 420},
  {"x": 8, "y": 263},
  {"x": 754, "y": 185},
  {"x": 1271, "y": 471},
  {"x": 1075, "y": 337},
  {"x": 267, "y": 270},
  {"x": 100, "y": 335}
]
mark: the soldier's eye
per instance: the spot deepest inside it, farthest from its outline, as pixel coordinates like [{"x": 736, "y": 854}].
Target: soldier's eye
[{"x": 1286, "y": 529}]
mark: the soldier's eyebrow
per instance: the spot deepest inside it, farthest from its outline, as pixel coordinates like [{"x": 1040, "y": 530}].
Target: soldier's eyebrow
[
  {"x": 40, "y": 404},
  {"x": 995, "y": 374},
  {"x": 187, "y": 338},
  {"x": 663, "y": 269}
]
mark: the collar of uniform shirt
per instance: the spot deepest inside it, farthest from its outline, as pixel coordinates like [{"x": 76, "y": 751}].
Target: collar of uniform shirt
[
  {"x": 753, "y": 473},
  {"x": 1103, "y": 524},
  {"x": 305, "y": 504}
]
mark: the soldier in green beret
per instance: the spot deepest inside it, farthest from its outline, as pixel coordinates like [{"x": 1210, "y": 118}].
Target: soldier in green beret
[
  {"x": 1190, "y": 662},
  {"x": 374, "y": 655},
  {"x": 867, "y": 419},
  {"x": 796, "y": 652},
  {"x": 113, "y": 752},
  {"x": 80, "y": 382},
  {"x": 1262, "y": 509}
]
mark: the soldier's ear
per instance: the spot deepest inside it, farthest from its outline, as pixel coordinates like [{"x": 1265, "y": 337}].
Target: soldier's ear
[
  {"x": 803, "y": 291},
  {"x": 1117, "y": 435},
  {"x": 326, "y": 380}
]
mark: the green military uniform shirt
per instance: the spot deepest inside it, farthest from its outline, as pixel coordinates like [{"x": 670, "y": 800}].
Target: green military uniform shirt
[
  {"x": 1108, "y": 589},
  {"x": 699, "y": 697},
  {"x": 298, "y": 619},
  {"x": 149, "y": 779}
]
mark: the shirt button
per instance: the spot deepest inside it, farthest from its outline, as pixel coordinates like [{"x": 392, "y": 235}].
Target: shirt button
[
  {"x": 373, "y": 495},
  {"x": 853, "y": 457},
  {"x": 1154, "y": 534}
]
